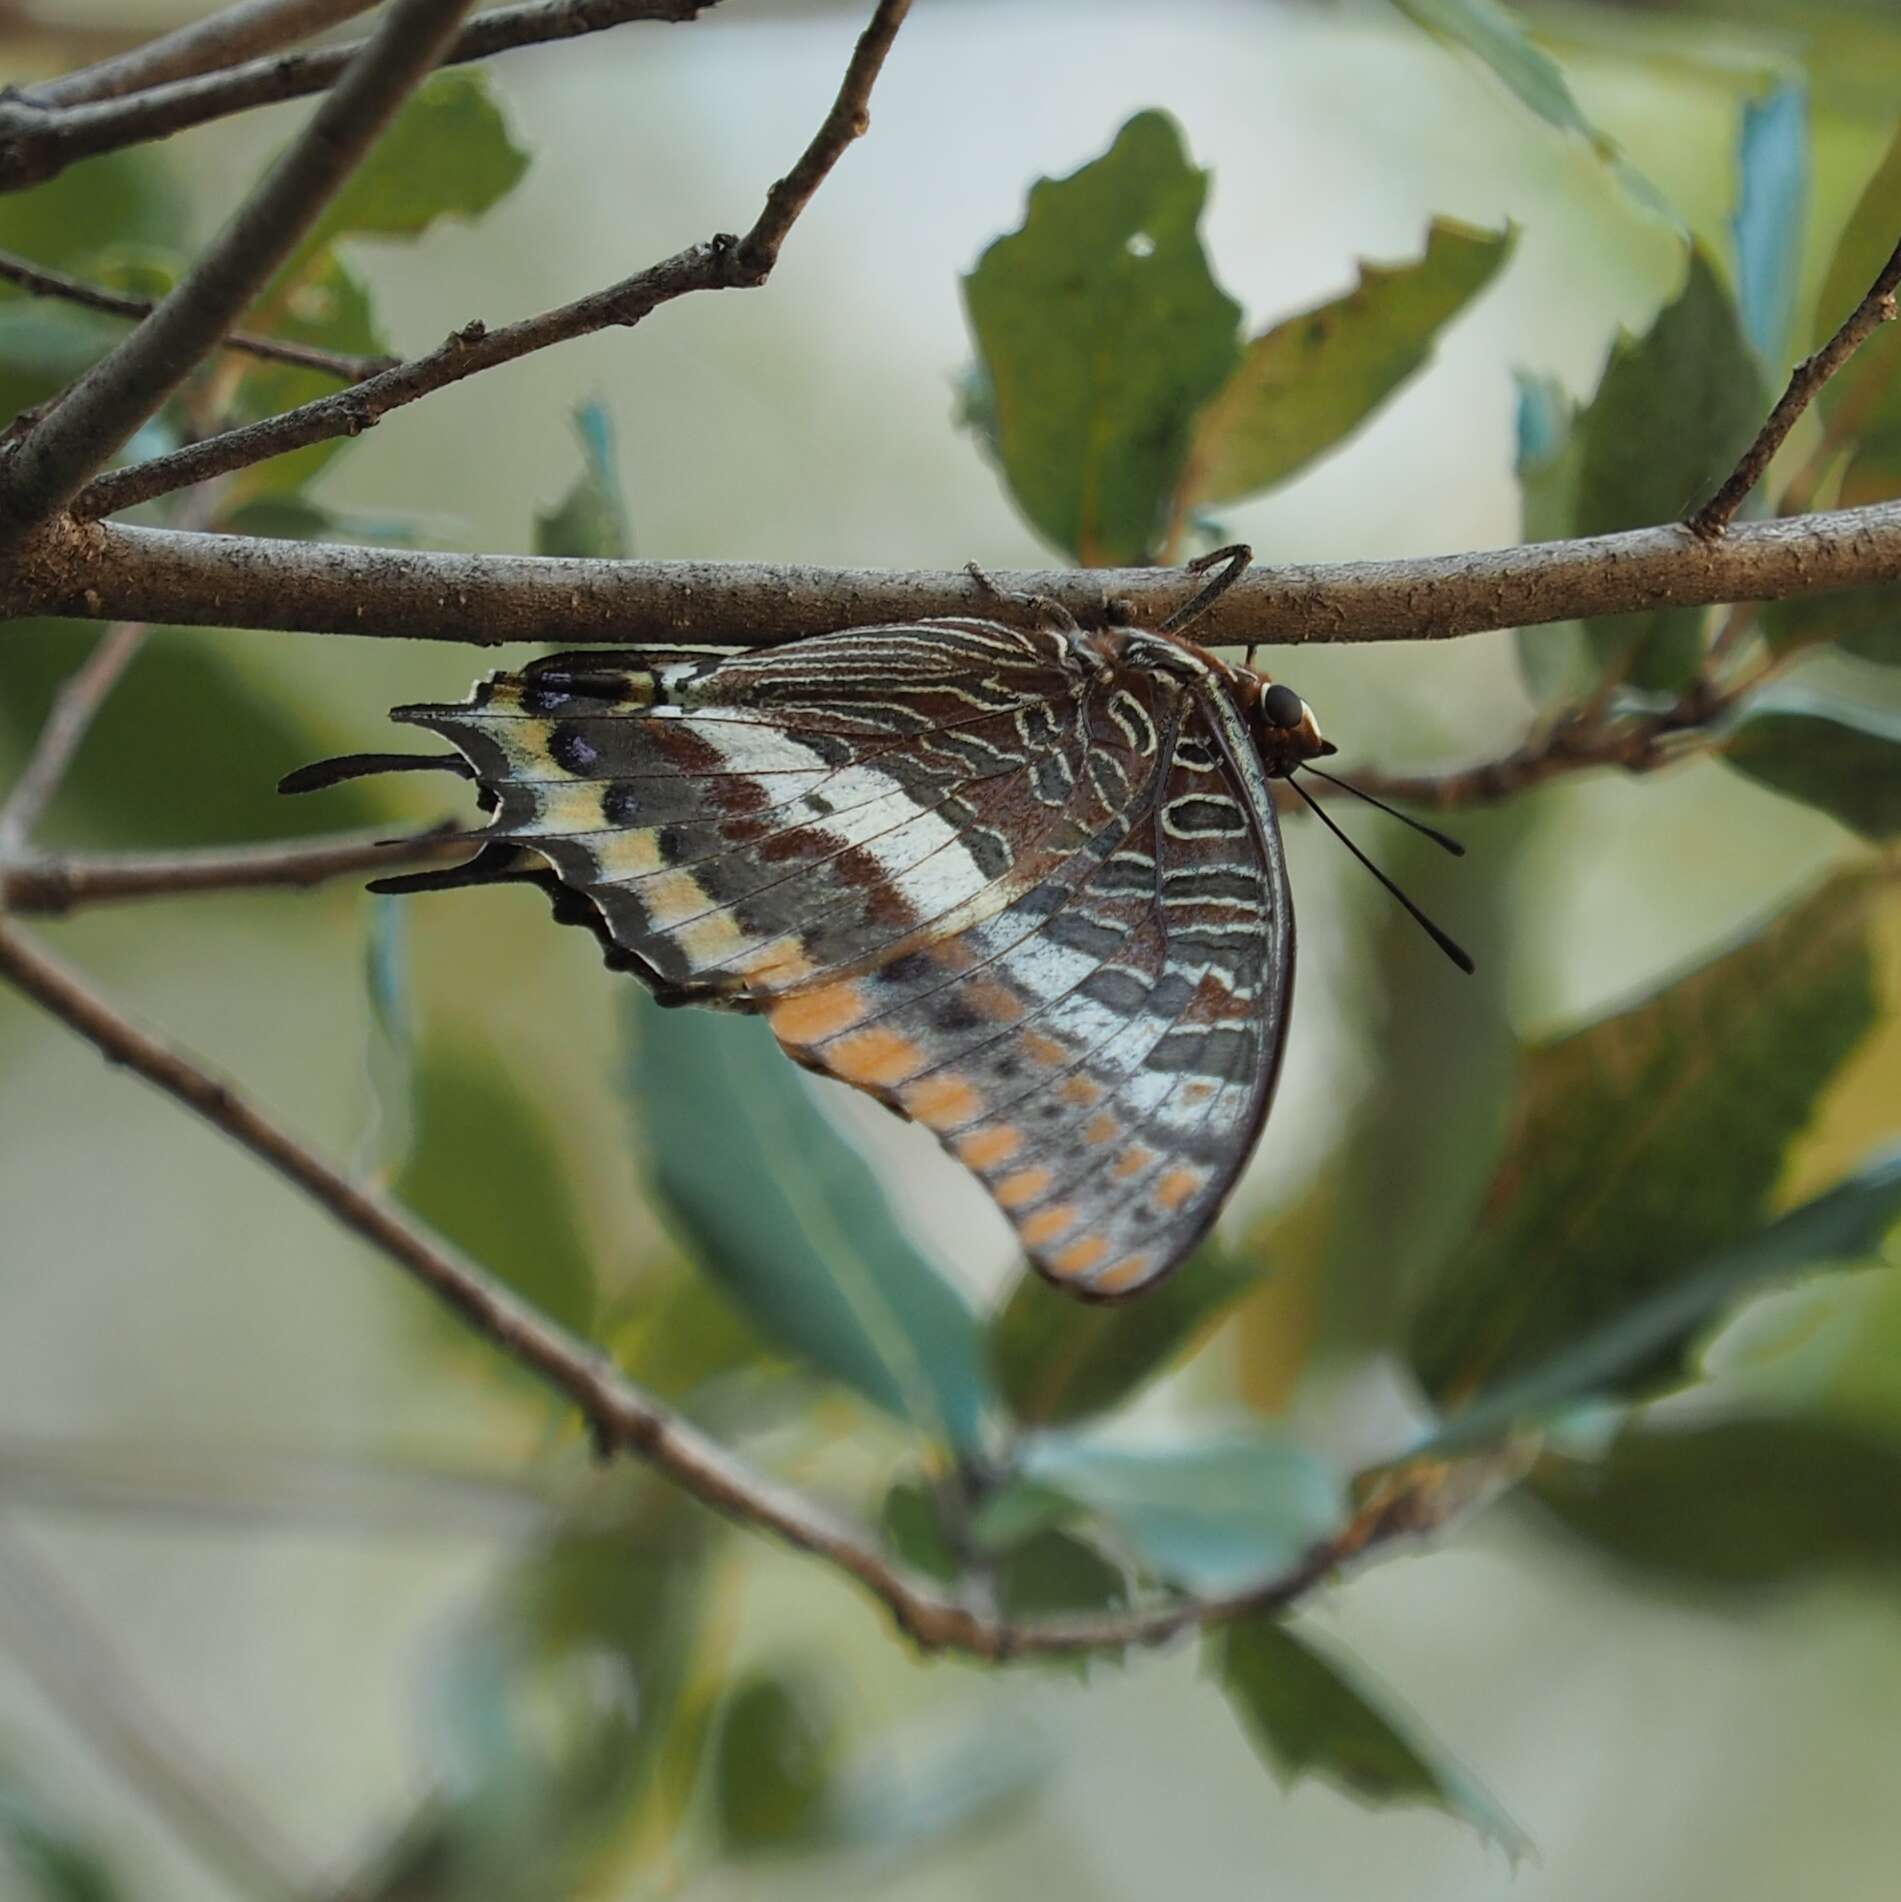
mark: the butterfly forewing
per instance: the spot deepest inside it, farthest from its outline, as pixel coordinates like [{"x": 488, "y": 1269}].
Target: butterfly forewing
[{"x": 1023, "y": 886}]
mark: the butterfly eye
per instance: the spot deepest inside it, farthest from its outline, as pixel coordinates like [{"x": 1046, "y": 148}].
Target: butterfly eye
[{"x": 1282, "y": 707}]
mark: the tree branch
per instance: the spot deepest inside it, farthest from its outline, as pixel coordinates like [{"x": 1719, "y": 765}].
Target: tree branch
[
  {"x": 1805, "y": 384},
  {"x": 92, "y": 419},
  {"x": 621, "y": 1414},
  {"x": 237, "y": 32},
  {"x": 107, "y": 570},
  {"x": 63, "y": 882},
  {"x": 42, "y": 282},
  {"x": 722, "y": 263},
  {"x": 36, "y": 143}
]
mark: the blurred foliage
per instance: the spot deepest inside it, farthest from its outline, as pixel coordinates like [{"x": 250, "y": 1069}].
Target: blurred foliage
[
  {"x": 1650, "y": 1138},
  {"x": 1308, "y": 1713},
  {"x": 1551, "y": 1226}
]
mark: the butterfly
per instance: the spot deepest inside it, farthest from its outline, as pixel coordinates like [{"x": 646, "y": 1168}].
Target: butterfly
[{"x": 1023, "y": 885}]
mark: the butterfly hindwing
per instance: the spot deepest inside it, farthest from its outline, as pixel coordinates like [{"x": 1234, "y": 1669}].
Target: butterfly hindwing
[{"x": 1024, "y": 886}]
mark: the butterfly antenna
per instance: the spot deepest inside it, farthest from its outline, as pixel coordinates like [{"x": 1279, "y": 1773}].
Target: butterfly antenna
[
  {"x": 1236, "y": 557},
  {"x": 1445, "y": 944},
  {"x": 1393, "y": 812}
]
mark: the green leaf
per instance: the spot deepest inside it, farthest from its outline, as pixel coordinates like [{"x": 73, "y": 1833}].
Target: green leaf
[
  {"x": 790, "y": 1220},
  {"x": 390, "y": 1053},
  {"x": 1865, "y": 622},
  {"x": 1056, "y": 1362},
  {"x": 1674, "y": 410},
  {"x": 591, "y": 519},
  {"x": 1839, "y": 755},
  {"x": 774, "y": 1751},
  {"x": 1841, "y": 1228},
  {"x": 487, "y": 1170},
  {"x": 1772, "y": 164},
  {"x": 1100, "y": 332},
  {"x": 1311, "y": 1714},
  {"x": 1488, "y": 30},
  {"x": 1054, "y": 1574},
  {"x": 1555, "y": 661},
  {"x": 1862, "y": 401},
  {"x": 56, "y": 1863},
  {"x": 1650, "y": 1141},
  {"x": 187, "y": 751},
  {"x": 447, "y": 154},
  {"x": 913, "y": 1527},
  {"x": 1303, "y": 387},
  {"x": 1215, "y": 1515},
  {"x": 1748, "y": 1503}
]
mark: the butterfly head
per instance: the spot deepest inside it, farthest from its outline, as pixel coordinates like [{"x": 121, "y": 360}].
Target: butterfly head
[{"x": 1286, "y": 730}]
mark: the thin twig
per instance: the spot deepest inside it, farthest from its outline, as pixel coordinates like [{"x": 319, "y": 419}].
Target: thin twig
[
  {"x": 73, "y": 1660},
  {"x": 81, "y": 694},
  {"x": 1874, "y": 310},
  {"x": 107, "y": 570},
  {"x": 238, "y": 32},
  {"x": 722, "y": 263},
  {"x": 35, "y": 143},
  {"x": 63, "y": 882},
  {"x": 621, "y": 1414},
  {"x": 87, "y": 423},
  {"x": 44, "y": 283}
]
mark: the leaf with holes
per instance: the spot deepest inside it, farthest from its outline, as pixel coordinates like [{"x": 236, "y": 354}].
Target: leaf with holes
[{"x": 1100, "y": 332}]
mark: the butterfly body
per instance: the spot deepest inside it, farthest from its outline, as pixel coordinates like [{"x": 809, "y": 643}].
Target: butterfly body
[{"x": 1024, "y": 886}]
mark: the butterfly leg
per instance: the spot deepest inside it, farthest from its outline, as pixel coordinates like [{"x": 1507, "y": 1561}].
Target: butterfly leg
[{"x": 1050, "y": 613}]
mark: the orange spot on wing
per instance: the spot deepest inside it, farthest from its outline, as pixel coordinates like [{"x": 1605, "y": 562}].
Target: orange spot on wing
[
  {"x": 1132, "y": 1161},
  {"x": 1079, "y": 1090},
  {"x": 1025, "y": 1186},
  {"x": 874, "y": 1056},
  {"x": 1046, "y": 1224},
  {"x": 1177, "y": 1186},
  {"x": 812, "y": 1016},
  {"x": 779, "y": 966},
  {"x": 1079, "y": 1255},
  {"x": 998, "y": 1002},
  {"x": 1041, "y": 1049},
  {"x": 942, "y": 1102},
  {"x": 985, "y": 1148},
  {"x": 1125, "y": 1274},
  {"x": 1101, "y": 1128}
]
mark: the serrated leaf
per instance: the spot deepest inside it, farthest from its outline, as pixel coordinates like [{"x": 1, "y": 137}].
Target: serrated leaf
[
  {"x": 1100, "y": 332},
  {"x": 1862, "y": 401},
  {"x": 1674, "y": 410},
  {"x": 1488, "y": 30},
  {"x": 1841, "y": 1228},
  {"x": 788, "y": 1217},
  {"x": 1555, "y": 660},
  {"x": 591, "y": 519},
  {"x": 486, "y": 1168},
  {"x": 1214, "y": 1515},
  {"x": 1772, "y": 168},
  {"x": 1839, "y": 755},
  {"x": 1749, "y": 1503},
  {"x": 1310, "y": 1713},
  {"x": 1056, "y": 1362},
  {"x": 1647, "y": 1142},
  {"x": 1303, "y": 387}
]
